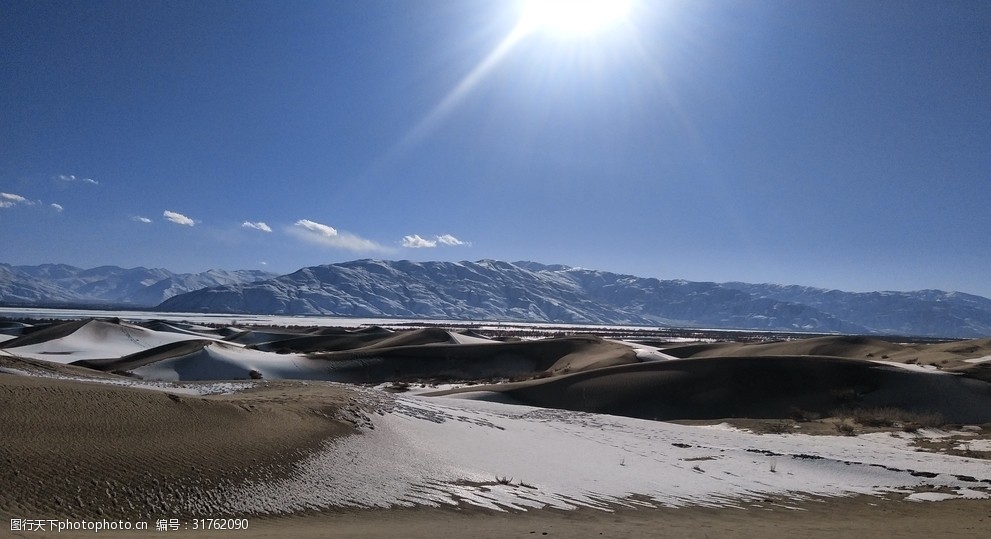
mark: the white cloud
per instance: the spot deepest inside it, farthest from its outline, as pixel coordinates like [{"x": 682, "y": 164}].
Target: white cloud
[
  {"x": 9, "y": 200},
  {"x": 257, "y": 226},
  {"x": 56, "y": 207},
  {"x": 140, "y": 219},
  {"x": 68, "y": 178},
  {"x": 12, "y": 197},
  {"x": 416, "y": 242},
  {"x": 448, "y": 239},
  {"x": 178, "y": 218},
  {"x": 329, "y": 236},
  {"x": 317, "y": 228}
]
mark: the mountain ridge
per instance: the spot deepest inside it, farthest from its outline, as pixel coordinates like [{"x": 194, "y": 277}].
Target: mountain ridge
[
  {"x": 527, "y": 291},
  {"x": 112, "y": 285},
  {"x": 493, "y": 290}
]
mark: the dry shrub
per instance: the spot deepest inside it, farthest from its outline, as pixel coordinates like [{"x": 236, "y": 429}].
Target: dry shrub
[
  {"x": 846, "y": 427},
  {"x": 895, "y": 417},
  {"x": 803, "y": 416}
]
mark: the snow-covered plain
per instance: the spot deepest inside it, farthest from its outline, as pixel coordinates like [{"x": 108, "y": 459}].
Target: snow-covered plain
[
  {"x": 440, "y": 451},
  {"x": 275, "y": 320}
]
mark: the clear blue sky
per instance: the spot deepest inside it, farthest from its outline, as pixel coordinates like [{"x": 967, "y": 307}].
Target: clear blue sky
[{"x": 842, "y": 144}]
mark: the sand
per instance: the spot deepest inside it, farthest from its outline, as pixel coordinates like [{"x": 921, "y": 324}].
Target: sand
[
  {"x": 857, "y": 516},
  {"x": 86, "y": 450}
]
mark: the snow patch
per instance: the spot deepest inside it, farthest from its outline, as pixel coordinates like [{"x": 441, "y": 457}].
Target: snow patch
[{"x": 442, "y": 451}]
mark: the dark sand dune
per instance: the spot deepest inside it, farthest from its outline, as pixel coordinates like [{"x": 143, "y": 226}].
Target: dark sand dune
[
  {"x": 252, "y": 337},
  {"x": 366, "y": 330},
  {"x": 473, "y": 333},
  {"x": 48, "y": 369},
  {"x": 839, "y": 346},
  {"x": 415, "y": 337},
  {"x": 146, "y": 357},
  {"x": 323, "y": 339},
  {"x": 13, "y": 329},
  {"x": 336, "y": 341},
  {"x": 950, "y": 356},
  {"x": 47, "y": 332},
  {"x": 750, "y": 387},
  {"x": 379, "y": 363},
  {"x": 188, "y": 329},
  {"x": 314, "y": 343}
]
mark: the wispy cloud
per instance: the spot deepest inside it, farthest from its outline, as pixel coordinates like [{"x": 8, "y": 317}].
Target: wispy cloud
[
  {"x": 9, "y": 200},
  {"x": 68, "y": 178},
  {"x": 140, "y": 219},
  {"x": 178, "y": 218},
  {"x": 257, "y": 226},
  {"x": 415, "y": 241},
  {"x": 448, "y": 239},
  {"x": 329, "y": 236},
  {"x": 316, "y": 228},
  {"x": 57, "y": 207}
]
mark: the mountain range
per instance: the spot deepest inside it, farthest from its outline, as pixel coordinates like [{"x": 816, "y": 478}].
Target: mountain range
[
  {"x": 501, "y": 291},
  {"x": 534, "y": 292},
  {"x": 61, "y": 284}
]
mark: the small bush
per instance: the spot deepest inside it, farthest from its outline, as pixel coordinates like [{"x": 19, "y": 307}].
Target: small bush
[
  {"x": 803, "y": 416},
  {"x": 777, "y": 428}
]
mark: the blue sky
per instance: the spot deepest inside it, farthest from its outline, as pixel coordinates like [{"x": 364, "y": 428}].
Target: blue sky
[{"x": 835, "y": 144}]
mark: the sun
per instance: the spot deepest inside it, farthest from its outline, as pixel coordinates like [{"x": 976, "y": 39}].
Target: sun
[{"x": 572, "y": 18}]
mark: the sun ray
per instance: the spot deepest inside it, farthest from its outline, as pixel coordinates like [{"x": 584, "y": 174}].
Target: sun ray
[{"x": 565, "y": 18}]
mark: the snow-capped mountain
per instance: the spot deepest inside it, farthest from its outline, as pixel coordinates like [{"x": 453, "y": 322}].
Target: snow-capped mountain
[
  {"x": 493, "y": 290},
  {"x": 529, "y": 291},
  {"x": 64, "y": 284}
]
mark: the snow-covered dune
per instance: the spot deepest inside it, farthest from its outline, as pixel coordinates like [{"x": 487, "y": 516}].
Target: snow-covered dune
[
  {"x": 90, "y": 339},
  {"x": 440, "y": 451}
]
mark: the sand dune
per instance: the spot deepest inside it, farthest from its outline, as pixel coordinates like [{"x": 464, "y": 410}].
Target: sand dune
[
  {"x": 89, "y": 339},
  {"x": 84, "y": 449},
  {"x": 839, "y": 346},
  {"x": 323, "y": 341},
  {"x": 371, "y": 356},
  {"x": 475, "y": 361},
  {"x": 366, "y": 338},
  {"x": 949, "y": 356},
  {"x": 753, "y": 387},
  {"x": 12, "y": 329},
  {"x": 771, "y": 380}
]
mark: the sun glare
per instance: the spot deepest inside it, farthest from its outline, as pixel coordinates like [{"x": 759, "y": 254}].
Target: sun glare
[{"x": 573, "y": 18}]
